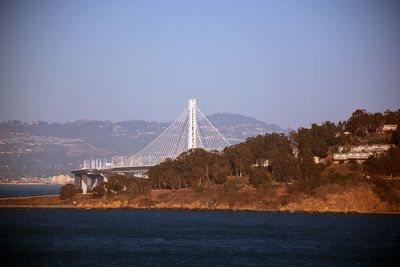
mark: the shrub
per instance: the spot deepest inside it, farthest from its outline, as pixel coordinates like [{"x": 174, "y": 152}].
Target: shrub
[
  {"x": 220, "y": 179},
  {"x": 328, "y": 163},
  {"x": 229, "y": 188},
  {"x": 259, "y": 176},
  {"x": 383, "y": 190},
  {"x": 68, "y": 191},
  {"x": 137, "y": 186},
  {"x": 334, "y": 178},
  {"x": 199, "y": 189},
  {"x": 98, "y": 190},
  {"x": 115, "y": 183},
  {"x": 353, "y": 165},
  {"x": 354, "y": 178}
]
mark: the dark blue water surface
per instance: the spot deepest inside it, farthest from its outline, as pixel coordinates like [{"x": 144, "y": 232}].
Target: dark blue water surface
[
  {"x": 70, "y": 237},
  {"x": 25, "y": 190}
]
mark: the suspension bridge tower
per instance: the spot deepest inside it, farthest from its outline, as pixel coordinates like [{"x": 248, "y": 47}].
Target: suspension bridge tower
[{"x": 192, "y": 124}]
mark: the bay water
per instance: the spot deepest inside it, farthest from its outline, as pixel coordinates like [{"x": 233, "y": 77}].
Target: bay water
[
  {"x": 26, "y": 190},
  {"x": 73, "y": 237}
]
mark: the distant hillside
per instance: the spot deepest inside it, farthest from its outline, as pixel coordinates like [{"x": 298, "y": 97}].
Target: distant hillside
[
  {"x": 43, "y": 149},
  {"x": 236, "y": 128}
]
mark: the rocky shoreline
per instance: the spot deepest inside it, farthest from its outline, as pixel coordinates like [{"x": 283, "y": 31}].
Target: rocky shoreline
[{"x": 359, "y": 198}]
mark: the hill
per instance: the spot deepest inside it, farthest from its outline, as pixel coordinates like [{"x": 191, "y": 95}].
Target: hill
[
  {"x": 43, "y": 149},
  {"x": 237, "y": 128}
]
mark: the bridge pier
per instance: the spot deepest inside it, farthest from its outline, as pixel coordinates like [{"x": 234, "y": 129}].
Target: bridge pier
[
  {"x": 87, "y": 182},
  {"x": 81, "y": 182},
  {"x": 78, "y": 180},
  {"x": 96, "y": 180},
  {"x": 87, "y": 179}
]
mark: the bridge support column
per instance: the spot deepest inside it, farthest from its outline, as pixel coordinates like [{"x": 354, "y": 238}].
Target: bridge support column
[
  {"x": 84, "y": 184},
  {"x": 96, "y": 181},
  {"x": 78, "y": 180},
  {"x": 93, "y": 182}
]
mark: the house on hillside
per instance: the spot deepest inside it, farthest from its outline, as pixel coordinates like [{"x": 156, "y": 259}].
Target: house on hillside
[
  {"x": 389, "y": 127},
  {"x": 261, "y": 163},
  {"x": 361, "y": 152}
]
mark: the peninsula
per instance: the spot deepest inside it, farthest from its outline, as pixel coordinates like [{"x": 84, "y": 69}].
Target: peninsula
[{"x": 352, "y": 166}]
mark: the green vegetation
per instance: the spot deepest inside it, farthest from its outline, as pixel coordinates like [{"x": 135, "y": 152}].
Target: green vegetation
[
  {"x": 98, "y": 191},
  {"x": 386, "y": 164},
  {"x": 276, "y": 158},
  {"x": 361, "y": 122},
  {"x": 317, "y": 139},
  {"x": 268, "y": 160},
  {"x": 120, "y": 184},
  {"x": 353, "y": 165},
  {"x": 383, "y": 189},
  {"x": 68, "y": 191},
  {"x": 333, "y": 178}
]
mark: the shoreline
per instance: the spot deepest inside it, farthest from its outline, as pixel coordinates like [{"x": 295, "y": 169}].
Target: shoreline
[
  {"x": 360, "y": 198},
  {"x": 29, "y": 184},
  {"x": 196, "y": 209},
  {"x": 99, "y": 205},
  {"x": 26, "y": 197}
]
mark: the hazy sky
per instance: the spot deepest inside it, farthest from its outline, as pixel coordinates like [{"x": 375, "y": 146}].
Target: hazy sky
[{"x": 286, "y": 62}]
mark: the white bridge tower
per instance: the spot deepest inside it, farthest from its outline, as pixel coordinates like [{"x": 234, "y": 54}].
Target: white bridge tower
[
  {"x": 191, "y": 129},
  {"x": 192, "y": 124}
]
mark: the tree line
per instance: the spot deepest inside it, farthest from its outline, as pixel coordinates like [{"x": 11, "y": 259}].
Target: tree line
[
  {"x": 270, "y": 157},
  {"x": 267, "y": 158},
  {"x": 362, "y": 122}
]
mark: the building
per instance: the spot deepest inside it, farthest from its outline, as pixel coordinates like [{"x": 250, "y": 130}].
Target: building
[
  {"x": 61, "y": 179},
  {"x": 389, "y": 127},
  {"x": 261, "y": 163},
  {"x": 361, "y": 152}
]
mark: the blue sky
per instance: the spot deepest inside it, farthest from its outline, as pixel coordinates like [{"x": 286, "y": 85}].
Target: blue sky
[{"x": 285, "y": 62}]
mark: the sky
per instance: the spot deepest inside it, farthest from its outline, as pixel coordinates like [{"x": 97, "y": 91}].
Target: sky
[{"x": 285, "y": 62}]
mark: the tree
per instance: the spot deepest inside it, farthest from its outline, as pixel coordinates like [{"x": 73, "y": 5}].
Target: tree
[
  {"x": 259, "y": 176},
  {"x": 395, "y": 139},
  {"x": 190, "y": 169},
  {"x": 137, "y": 186},
  {"x": 115, "y": 183},
  {"x": 317, "y": 138},
  {"x": 277, "y": 149},
  {"x": 392, "y": 117},
  {"x": 353, "y": 165},
  {"x": 377, "y": 121},
  {"x": 386, "y": 164},
  {"x": 98, "y": 190},
  {"x": 68, "y": 191},
  {"x": 239, "y": 157},
  {"x": 218, "y": 169},
  {"x": 308, "y": 169},
  {"x": 165, "y": 175}
]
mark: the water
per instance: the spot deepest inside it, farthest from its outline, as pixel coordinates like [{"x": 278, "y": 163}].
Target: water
[
  {"x": 59, "y": 237},
  {"x": 25, "y": 190}
]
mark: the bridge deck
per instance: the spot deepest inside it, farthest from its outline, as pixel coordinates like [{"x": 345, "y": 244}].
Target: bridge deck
[{"x": 115, "y": 169}]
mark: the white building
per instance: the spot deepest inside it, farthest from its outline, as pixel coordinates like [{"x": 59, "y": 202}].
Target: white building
[
  {"x": 61, "y": 179},
  {"x": 389, "y": 127},
  {"x": 361, "y": 152}
]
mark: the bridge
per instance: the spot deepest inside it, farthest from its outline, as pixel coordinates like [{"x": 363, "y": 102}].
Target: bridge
[{"x": 191, "y": 129}]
